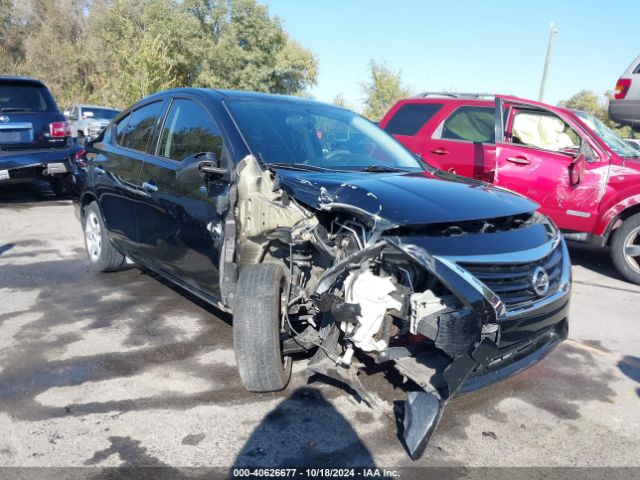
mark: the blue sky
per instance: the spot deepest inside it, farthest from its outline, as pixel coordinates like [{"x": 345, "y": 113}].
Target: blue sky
[{"x": 481, "y": 46}]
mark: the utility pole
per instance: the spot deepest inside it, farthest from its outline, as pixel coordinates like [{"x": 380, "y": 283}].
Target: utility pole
[{"x": 543, "y": 83}]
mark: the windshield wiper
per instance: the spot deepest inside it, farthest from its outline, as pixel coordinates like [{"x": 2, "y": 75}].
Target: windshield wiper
[
  {"x": 383, "y": 169},
  {"x": 298, "y": 166}
]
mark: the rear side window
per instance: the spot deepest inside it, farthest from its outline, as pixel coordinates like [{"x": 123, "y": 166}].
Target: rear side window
[
  {"x": 25, "y": 97},
  {"x": 471, "y": 124},
  {"x": 140, "y": 127},
  {"x": 410, "y": 118},
  {"x": 189, "y": 129}
]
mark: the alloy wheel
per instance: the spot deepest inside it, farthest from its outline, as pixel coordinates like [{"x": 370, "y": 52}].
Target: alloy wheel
[
  {"x": 632, "y": 249},
  {"x": 93, "y": 236}
]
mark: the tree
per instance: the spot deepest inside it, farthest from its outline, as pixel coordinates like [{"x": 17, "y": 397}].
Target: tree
[
  {"x": 382, "y": 91},
  {"x": 598, "y": 106},
  {"x": 114, "y": 52},
  {"x": 247, "y": 49}
]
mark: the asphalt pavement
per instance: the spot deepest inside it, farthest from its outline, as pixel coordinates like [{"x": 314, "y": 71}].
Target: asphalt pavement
[{"x": 125, "y": 369}]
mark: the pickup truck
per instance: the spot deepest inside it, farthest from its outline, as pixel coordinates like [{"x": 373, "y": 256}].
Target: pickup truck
[
  {"x": 87, "y": 121},
  {"x": 585, "y": 177}
]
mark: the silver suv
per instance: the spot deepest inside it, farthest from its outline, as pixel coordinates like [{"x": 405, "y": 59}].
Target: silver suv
[
  {"x": 87, "y": 121},
  {"x": 624, "y": 108}
]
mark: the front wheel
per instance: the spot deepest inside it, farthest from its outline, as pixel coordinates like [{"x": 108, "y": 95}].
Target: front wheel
[
  {"x": 102, "y": 255},
  {"x": 257, "y": 324},
  {"x": 625, "y": 249}
]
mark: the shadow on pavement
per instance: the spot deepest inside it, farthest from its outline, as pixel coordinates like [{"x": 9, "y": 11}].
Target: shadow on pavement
[
  {"x": 304, "y": 430},
  {"x": 596, "y": 259},
  {"x": 34, "y": 192},
  {"x": 630, "y": 366}
]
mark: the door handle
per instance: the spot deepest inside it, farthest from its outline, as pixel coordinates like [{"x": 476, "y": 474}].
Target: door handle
[
  {"x": 149, "y": 187},
  {"x": 99, "y": 171},
  {"x": 440, "y": 151},
  {"x": 518, "y": 160}
]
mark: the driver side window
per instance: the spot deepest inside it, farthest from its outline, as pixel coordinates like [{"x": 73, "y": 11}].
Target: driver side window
[
  {"x": 189, "y": 129},
  {"x": 544, "y": 131}
]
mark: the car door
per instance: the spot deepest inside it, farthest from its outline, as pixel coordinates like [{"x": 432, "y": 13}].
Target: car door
[
  {"x": 545, "y": 156},
  {"x": 463, "y": 143},
  {"x": 116, "y": 166},
  {"x": 180, "y": 221}
]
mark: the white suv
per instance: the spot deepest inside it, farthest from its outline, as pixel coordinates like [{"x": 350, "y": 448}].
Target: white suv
[{"x": 624, "y": 108}]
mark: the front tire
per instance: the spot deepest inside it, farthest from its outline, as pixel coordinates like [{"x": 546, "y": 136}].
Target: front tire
[
  {"x": 256, "y": 329},
  {"x": 625, "y": 249},
  {"x": 102, "y": 255}
]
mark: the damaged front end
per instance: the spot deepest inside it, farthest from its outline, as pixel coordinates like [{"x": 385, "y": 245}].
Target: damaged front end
[{"x": 362, "y": 282}]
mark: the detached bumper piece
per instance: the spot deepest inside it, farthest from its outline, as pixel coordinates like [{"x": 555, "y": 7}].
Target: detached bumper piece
[
  {"x": 422, "y": 413},
  {"x": 443, "y": 379},
  {"x": 423, "y": 409}
]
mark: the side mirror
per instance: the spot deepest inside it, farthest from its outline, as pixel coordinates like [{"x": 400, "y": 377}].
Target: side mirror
[
  {"x": 66, "y": 114},
  {"x": 576, "y": 170},
  {"x": 199, "y": 166}
]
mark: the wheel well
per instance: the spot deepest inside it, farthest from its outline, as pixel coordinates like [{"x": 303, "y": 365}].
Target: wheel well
[
  {"x": 86, "y": 200},
  {"x": 622, "y": 216}
]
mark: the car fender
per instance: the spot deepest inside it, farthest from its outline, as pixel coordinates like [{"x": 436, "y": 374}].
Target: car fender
[{"x": 613, "y": 213}]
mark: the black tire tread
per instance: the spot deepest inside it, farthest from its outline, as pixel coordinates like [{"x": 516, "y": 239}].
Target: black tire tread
[
  {"x": 617, "y": 249},
  {"x": 256, "y": 329}
]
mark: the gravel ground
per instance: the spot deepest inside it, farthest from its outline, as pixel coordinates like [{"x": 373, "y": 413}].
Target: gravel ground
[{"x": 124, "y": 369}]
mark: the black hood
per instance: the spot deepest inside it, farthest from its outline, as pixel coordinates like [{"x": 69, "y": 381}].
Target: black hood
[{"x": 404, "y": 198}]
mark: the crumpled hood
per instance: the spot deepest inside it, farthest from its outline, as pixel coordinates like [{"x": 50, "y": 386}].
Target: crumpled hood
[{"x": 404, "y": 198}]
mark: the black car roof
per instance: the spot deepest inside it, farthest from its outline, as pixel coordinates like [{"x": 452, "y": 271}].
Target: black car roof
[{"x": 231, "y": 94}]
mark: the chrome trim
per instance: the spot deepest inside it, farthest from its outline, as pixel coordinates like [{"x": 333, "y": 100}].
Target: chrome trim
[
  {"x": 525, "y": 256},
  {"x": 17, "y": 126}
]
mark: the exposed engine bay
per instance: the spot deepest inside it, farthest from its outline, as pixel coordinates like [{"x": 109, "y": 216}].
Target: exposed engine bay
[{"x": 359, "y": 285}]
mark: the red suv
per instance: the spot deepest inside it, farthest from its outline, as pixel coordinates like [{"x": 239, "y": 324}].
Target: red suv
[{"x": 585, "y": 177}]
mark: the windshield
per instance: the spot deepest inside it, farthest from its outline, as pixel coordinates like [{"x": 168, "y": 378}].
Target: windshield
[
  {"x": 105, "y": 113},
  {"x": 608, "y": 136},
  {"x": 307, "y": 134}
]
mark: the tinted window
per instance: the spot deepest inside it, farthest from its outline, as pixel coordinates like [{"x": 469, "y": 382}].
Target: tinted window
[
  {"x": 411, "y": 117},
  {"x": 189, "y": 129},
  {"x": 140, "y": 127},
  {"x": 472, "y": 124},
  {"x": 120, "y": 128},
  {"x": 25, "y": 97}
]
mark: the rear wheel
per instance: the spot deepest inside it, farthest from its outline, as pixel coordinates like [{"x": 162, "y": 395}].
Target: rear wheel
[
  {"x": 625, "y": 249},
  {"x": 61, "y": 185},
  {"x": 102, "y": 255},
  {"x": 257, "y": 324}
]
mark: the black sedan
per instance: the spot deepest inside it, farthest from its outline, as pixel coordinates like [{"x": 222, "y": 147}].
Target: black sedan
[{"x": 321, "y": 233}]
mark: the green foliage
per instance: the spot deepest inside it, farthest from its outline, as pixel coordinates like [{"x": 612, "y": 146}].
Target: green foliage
[
  {"x": 598, "y": 106},
  {"x": 114, "y": 52},
  {"x": 382, "y": 90}
]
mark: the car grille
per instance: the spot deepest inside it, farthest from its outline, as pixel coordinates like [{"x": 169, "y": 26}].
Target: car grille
[{"x": 513, "y": 282}]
